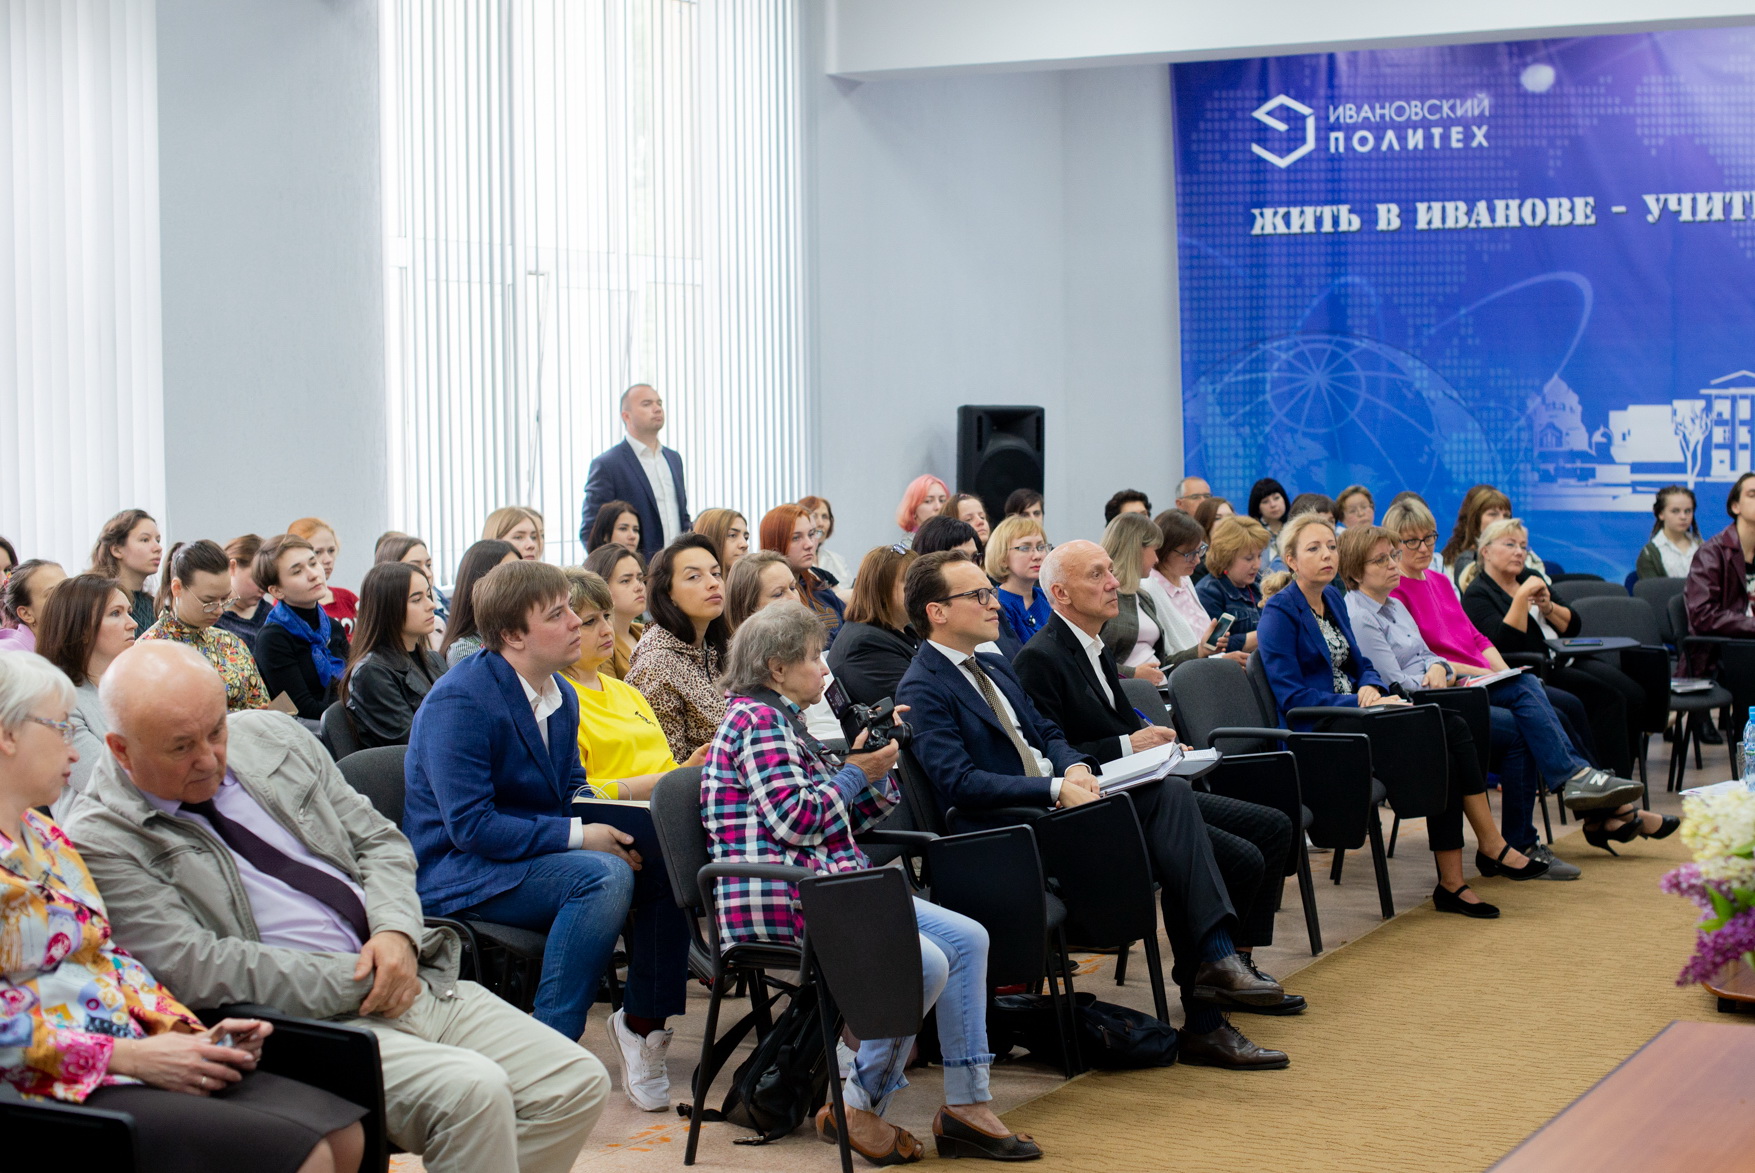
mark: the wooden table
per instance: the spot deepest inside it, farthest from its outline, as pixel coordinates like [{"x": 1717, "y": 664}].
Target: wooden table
[
  {"x": 1685, "y": 1101},
  {"x": 1735, "y": 987}
]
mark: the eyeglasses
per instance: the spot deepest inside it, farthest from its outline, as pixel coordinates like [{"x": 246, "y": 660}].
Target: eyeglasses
[
  {"x": 1194, "y": 555},
  {"x": 816, "y": 535},
  {"x": 1429, "y": 540},
  {"x": 982, "y": 596},
  {"x": 899, "y": 548},
  {"x": 216, "y": 608},
  {"x": 1038, "y": 548},
  {"x": 64, "y": 728},
  {"x": 1388, "y": 559},
  {"x": 1196, "y": 497}
]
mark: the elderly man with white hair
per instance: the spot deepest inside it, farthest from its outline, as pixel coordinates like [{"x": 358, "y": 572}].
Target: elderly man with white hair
[
  {"x": 240, "y": 866},
  {"x": 1073, "y": 681}
]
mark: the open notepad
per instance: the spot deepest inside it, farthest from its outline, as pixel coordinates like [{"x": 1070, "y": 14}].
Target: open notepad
[
  {"x": 1148, "y": 765},
  {"x": 1492, "y": 677}
]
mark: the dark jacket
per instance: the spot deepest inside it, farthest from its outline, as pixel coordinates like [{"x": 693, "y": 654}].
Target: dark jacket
[
  {"x": 1220, "y": 596},
  {"x": 616, "y": 475},
  {"x": 960, "y": 743},
  {"x": 1057, "y": 674},
  {"x": 1717, "y": 595},
  {"x": 1295, "y": 656},
  {"x": 1121, "y": 633},
  {"x": 384, "y": 690},
  {"x": 869, "y": 660},
  {"x": 285, "y": 663},
  {"x": 1486, "y": 604}
]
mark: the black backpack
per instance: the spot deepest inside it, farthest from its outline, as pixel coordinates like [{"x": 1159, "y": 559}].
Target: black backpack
[
  {"x": 1110, "y": 1037},
  {"x": 785, "y": 1080}
]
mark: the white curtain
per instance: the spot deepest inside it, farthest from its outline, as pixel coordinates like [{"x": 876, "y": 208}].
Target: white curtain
[
  {"x": 81, "y": 375},
  {"x": 581, "y": 195}
]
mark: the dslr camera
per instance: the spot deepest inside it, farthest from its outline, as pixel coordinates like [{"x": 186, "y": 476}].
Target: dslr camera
[{"x": 879, "y": 719}]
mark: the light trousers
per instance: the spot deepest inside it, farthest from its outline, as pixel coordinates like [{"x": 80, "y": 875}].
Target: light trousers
[{"x": 473, "y": 1084}]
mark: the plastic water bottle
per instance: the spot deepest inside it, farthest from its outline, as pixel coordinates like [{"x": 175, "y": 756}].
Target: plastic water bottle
[{"x": 1749, "y": 751}]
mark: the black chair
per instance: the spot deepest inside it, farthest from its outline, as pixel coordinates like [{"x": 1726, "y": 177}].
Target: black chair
[
  {"x": 337, "y": 732},
  {"x": 102, "y": 1139},
  {"x": 862, "y": 943},
  {"x": 1572, "y": 588},
  {"x": 1733, "y": 668},
  {"x": 1555, "y": 574},
  {"x": 1144, "y": 696},
  {"x": 1214, "y": 694},
  {"x": 1658, "y": 592}
]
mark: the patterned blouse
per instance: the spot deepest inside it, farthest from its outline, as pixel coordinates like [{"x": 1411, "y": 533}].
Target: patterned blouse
[
  {"x": 677, "y": 681},
  {"x": 770, "y": 796},
  {"x": 66, "y": 992},
  {"x": 1338, "y": 651},
  {"x": 226, "y": 652}
]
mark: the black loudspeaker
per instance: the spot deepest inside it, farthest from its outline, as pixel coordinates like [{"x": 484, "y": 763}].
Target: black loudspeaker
[{"x": 999, "y": 451}]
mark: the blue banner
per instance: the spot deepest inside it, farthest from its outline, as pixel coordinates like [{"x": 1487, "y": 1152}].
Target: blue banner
[{"x": 1527, "y": 264}]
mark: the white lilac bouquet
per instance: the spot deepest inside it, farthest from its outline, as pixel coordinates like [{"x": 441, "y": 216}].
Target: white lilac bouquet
[{"x": 1720, "y": 828}]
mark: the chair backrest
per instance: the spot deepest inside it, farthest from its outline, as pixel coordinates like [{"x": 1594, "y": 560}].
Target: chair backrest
[
  {"x": 378, "y": 774},
  {"x": 103, "y": 1139},
  {"x": 1678, "y": 609},
  {"x": 1265, "y": 700},
  {"x": 1474, "y": 706},
  {"x": 338, "y": 732},
  {"x": 1555, "y": 574},
  {"x": 1658, "y": 592},
  {"x": 1736, "y": 672},
  {"x": 860, "y": 930},
  {"x": 1574, "y": 589},
  {"x": 1096, "y": 853},
  {"x": 917, "y": 795},
  {"x": 995, "y": 877},
  {"x": 1624, "y": 616},
  {"x": 1408, "y": 753},
  {"x": 1211, "y": 693},
  {"x": 1144, "y": 696},
  {"x": 682, "y": 836}
]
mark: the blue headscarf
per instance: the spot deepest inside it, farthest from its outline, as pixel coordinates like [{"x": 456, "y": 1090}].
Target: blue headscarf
[{"x": 328, "y": 664}]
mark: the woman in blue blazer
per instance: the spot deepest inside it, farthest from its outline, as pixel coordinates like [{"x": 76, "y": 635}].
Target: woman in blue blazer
[{"x": 1307, "y": 649}]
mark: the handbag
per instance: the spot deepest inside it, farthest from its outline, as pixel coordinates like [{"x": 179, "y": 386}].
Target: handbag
[{"x": 1110, "y": 1037}]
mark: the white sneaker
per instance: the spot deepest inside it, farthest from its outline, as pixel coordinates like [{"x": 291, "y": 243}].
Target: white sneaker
[{"x": 644, "y": 1075}]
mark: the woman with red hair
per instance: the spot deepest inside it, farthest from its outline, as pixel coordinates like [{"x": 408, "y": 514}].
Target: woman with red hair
[
  {"x": 789, "y": 530},
  {"x": 923, "y": 498}
]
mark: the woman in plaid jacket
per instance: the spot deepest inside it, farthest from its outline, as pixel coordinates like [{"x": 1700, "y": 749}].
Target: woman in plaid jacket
[{"x": 771, "y": 793}]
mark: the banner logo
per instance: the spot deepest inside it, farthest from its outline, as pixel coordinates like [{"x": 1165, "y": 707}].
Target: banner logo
[{"x": 1265, "y": 114}]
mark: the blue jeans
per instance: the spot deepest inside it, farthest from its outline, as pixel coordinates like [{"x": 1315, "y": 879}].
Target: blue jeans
[
  {"x": 1531, "y": 745},
  {"x": 953, "y": 961},
  {"x": 581, "y": 900}
]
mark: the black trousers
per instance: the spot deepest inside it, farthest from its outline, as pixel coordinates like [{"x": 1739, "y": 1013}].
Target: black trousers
[
  {"x": 1252, "y": 845},
  {"x": 1608, "y": 695},
  {"x": 1193, "y": 889}
]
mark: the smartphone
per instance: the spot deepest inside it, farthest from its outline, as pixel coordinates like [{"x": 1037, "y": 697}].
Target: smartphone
[
  {"x": 1584, "y": 643},
  {"x": 837, "y": 698},
  {"x": 1223, "y": 629}
]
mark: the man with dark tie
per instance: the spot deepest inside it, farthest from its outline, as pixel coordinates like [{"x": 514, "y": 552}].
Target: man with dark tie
[
  {"x": 984, "y": 745},
  {"x": 642, "y": 472},
  {"x": 237, "y": 863}
]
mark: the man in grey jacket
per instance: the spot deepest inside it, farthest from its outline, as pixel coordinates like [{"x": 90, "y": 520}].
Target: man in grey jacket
[{"x": 239, "y": 866}]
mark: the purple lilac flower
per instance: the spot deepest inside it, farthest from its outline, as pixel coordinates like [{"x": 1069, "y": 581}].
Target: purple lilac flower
[{"x": 1715, "y": 950}]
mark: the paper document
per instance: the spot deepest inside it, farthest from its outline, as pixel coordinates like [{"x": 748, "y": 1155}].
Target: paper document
[
  {"x": 1493, "y": 677},
  {"x": 1715, "y": 788},
  {"x": 1137, "y": 769},
  {"x": 1689, "y": 684}
]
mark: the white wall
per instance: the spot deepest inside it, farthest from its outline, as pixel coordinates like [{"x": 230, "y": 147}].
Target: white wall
[
  {"x": 873, "y": 38},
  {"x": 272, "y": 271}
]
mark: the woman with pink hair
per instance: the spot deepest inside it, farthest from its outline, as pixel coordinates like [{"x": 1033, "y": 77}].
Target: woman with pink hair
[{"x": 923, "y": 498}]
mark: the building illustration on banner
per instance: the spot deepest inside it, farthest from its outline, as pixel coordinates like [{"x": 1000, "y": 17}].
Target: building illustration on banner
[{"x": 1617, "y": 466}]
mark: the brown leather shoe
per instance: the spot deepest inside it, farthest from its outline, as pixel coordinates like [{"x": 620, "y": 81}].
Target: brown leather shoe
[
  {"x": 1232, "y": 981},
  {"x": 1227, "y": 1047},
  {"x": 956, "y": 1137},
  {"x": 871, "y": 1136}
]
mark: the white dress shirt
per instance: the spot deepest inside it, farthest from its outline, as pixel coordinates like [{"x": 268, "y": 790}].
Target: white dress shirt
[
  {"x": 961, "y": 660},
  {"x": 1094, "y": 653},
  {"x": 544, "y": 705},
  {"x": 1677, "y": 559},
  {"x": 663, "y": 487}
]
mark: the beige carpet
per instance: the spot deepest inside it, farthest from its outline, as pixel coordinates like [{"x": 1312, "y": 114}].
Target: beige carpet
[{"x": 1434, "y": 1044}]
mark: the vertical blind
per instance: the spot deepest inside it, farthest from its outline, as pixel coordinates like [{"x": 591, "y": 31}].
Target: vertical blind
[
  {"x": 81, "y": 370},
  {"x": 581, "y": 195}
]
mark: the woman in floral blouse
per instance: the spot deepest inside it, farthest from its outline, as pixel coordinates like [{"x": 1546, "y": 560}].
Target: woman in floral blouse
[
  {"x": 195, "y": 594},
  {"x": 83, "y": 1022},
  {"x": 683, "y": 648},
  {"x": 771, "y": 793}
]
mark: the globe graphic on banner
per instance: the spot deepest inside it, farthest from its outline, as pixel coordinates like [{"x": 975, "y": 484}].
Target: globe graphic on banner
[{"x": 1330, "y": 410}]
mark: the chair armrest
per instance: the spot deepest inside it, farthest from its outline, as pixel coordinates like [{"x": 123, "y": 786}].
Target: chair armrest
[
  {"x": 914, "y": 839},
  {"x": 1322, "y": 714},
  {"x": 785, "y": 873},
  {"x": 1251, "y": 732},
  {"x": 987, "y": 818}
]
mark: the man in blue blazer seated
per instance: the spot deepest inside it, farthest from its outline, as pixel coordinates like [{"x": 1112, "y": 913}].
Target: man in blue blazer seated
[
  {"x": 492, "y": 768},
  {"x": 642, "y": 472},
  {"x": 984, "y": 746}
]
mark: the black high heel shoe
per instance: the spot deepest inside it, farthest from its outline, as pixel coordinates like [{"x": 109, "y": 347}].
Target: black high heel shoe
[
  {"x": 1444, "y": 900},
  {"x": 1666, "y": 828},
  {"x": 1496, "y": 866},
  {"x": 1600, "y": 835}
]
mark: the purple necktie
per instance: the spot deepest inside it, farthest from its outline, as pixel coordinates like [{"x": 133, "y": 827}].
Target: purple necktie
[{"x": 301, "y": 877}]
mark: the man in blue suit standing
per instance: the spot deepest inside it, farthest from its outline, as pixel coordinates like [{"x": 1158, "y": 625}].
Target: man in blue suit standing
[
  {"x": 641, "y": 472},
  {"x": 984, "y": 746},
  {"x": 492, "y": 768}
]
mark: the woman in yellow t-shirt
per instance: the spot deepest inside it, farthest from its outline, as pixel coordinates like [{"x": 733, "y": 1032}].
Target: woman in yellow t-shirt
[{"x": 621, "y": 744}]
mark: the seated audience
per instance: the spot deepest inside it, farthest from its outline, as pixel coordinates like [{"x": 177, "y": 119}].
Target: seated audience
[
  {"x": 1073, "y": 681},
  {"x": 625, "y": 573},
  {"x": 1209, "y": 512},
  {"x": 947, "y": 533},
  {"x": 196, "y": 591},
  {"x": 86, "y": 624},
  {"x": 1173, "y": 580},
  {"x": 971, "y": 511},
  {"x": 924, "y": 497},
  {"x": 771, "y": 793},
  {"x": 876, "y": 645},
  {"x": 493, "y": 767},
  {"x": 768, "y": 580},
  {"x": 301, "y": 650},
  {"x": 1431, "y": 558},
  {"x": 1024, "y": 503},
  {"x": 616, "y": 522},
  {"x": 1529, "y": 744},
  {"x": 391, "y": 665},
  {"x": 461, "y": 638},
  {"x": 1234, "y": 553},
  {"x": 396, "y": 546},
  {"x": 681, "y": 653},
  {"x": 1357, "y": 507},
  {"x": 1717, "y": 590},
  {"x": 787, "y": 529},
  {"x": 983, "y": 744},
  {"x": 517, "y": 526},
  {"x": 21, "y": 602},
  {"x": 1674, "y": 535},
  {"x": 1312, "y": 658},
  {"x": 1134, "y": 636},
  {"x": 1013, "y": 561},
  {"x": 729, "y": 532},
  {"x": 1126, "y": 501},
  {"x": 621, "y": 747},
  {"x": 1324, "y": 507},
  {"x": 248, "y": 608},
  {"x": 87, "y": 1024},
  {"x": 339, "y": 604},
  {"x": 822, "y": 519},
  {"x": 1268, "y": 501},
  {"x": 130, "y": 550},
  {"x": 1482, "y": 506},
  {"x": 237, "y": 863},
  {"x": 1190, "y": 492}
]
